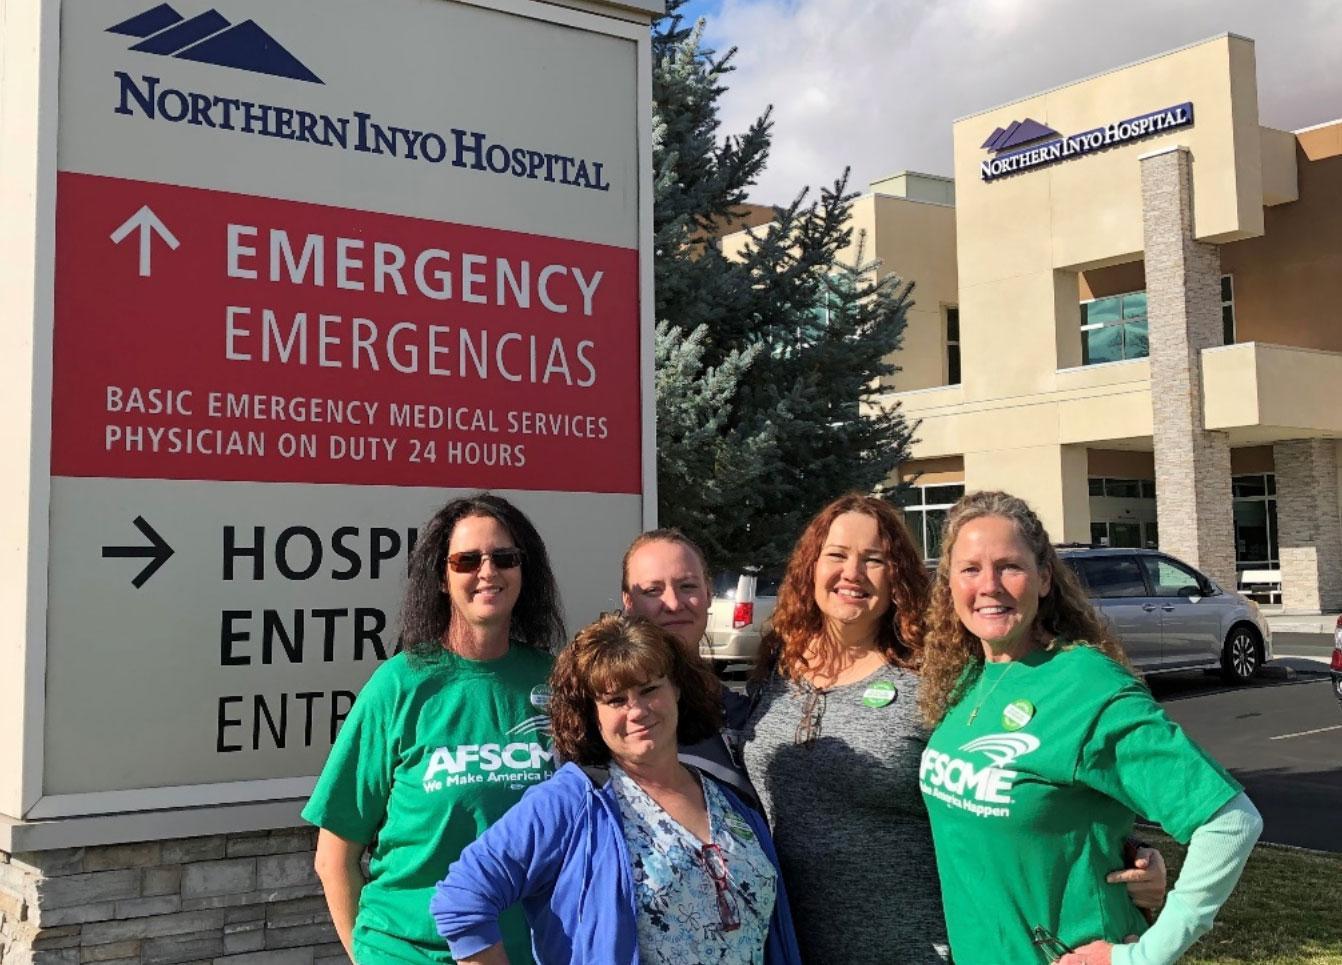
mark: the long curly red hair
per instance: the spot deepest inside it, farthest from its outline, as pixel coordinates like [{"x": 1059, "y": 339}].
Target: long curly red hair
[{"x": 798, "y": 624}]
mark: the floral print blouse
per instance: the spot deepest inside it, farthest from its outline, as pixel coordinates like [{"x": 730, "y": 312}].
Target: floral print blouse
[{"x": 696, "y": 903}]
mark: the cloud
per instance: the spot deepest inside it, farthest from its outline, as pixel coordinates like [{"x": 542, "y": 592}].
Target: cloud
[{"x": 876, "y": 84}]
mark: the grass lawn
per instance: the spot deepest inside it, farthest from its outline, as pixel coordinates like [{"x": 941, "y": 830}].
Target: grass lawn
[{"x": 1286, "y": 910}]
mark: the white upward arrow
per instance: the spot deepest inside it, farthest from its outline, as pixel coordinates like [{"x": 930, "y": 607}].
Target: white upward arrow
[{"x": 147, "y": 222}]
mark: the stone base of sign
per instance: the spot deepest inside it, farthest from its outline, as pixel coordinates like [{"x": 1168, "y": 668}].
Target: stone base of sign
[{"x": 244, "y": 899}]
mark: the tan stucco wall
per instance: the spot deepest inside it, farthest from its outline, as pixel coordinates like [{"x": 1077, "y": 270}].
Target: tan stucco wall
[
  {"x": 1030, "y": 246},
  {"x": 1051, "y": 478},
  {"x": 933, "y": 472},
  {"x": 1090, "y": 207},
  {"x": 1321, "y": 140},
  {"x": 917, "y": 186},
  {"x": 1287, "y": 283},
  {"x": 916, "y": 240},
  {"x": 1113, "y": 280},
  {"x": 1281, "y": 181},
  {"x": 1014, "y": 232},
  {"x": 1264, "y": 393}
]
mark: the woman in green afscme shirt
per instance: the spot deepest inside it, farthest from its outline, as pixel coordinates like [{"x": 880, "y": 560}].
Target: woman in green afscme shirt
[
  {"x": 445, "y": 737},
  {"x": 1046, "y": 746}
]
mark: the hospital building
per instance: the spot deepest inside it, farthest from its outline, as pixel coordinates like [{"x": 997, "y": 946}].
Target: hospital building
[{"x": 1129, "y": 312}]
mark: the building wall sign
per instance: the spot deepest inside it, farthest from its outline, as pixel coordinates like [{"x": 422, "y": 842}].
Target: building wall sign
[{"x": 1045, "y": 153}]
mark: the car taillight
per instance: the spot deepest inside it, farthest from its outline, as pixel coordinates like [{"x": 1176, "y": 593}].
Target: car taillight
[
  {"x": 743, "y": 615},
  {"x": 1337, "y": 646}
]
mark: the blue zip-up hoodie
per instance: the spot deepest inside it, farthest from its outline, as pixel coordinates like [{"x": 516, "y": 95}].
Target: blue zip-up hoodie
[{"x": 561, "y": 852}]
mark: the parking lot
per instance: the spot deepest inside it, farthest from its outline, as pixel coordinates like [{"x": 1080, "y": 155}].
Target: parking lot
[{"x": 1281, "y": 738}]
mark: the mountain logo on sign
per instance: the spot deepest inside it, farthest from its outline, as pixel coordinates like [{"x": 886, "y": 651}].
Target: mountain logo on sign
[
  {"x": 209, "y": 38},
  {"x": 1017, "y": 133}
]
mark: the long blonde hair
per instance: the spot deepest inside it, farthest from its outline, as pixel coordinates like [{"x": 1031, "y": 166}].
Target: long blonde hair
[{"x": 1065, "y": 615}]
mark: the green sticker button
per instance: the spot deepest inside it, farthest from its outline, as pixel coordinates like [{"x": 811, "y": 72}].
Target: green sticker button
[
  {"x": 880, "y": 694},
  {"x": 1017, "y": 714},
  {"x": 738, "y": 828}
]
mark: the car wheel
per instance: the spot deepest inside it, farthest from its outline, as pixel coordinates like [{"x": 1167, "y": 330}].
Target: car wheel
[
  {"x": 1242, "y": 655},
  {"x": 1337, "y": 687}
]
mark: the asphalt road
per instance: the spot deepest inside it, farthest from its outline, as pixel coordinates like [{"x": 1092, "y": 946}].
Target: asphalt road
[{"x": 1281, "y": 738}]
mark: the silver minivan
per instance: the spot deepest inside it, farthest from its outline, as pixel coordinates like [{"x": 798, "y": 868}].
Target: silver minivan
[{"x": 1169, "y": 616}]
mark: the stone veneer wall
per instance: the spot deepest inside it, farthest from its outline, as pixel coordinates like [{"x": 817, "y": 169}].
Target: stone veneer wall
[
  {"x": 1183, "y": 307},
  {"x": 1309, "y": 530},
  {"x": 241, "y": 899}
]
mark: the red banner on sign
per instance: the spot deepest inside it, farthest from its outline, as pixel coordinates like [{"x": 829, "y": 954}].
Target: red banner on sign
[{"x": 208, "y": 335}]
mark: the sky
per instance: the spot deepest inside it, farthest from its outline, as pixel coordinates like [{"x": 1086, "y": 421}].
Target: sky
[{"x": 876, "y": 84}]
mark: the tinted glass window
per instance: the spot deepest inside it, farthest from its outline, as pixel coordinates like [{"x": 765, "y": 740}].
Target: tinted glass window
[
  {"x": 943, "y": 494},
  {"x": 1123, "y": 488},
  {"x": 1122, "y": 535},
  {"x": 1169, "y": 578},
  {"x": 1248, "y": 485},
  {"x": 1111, "y": 576}
]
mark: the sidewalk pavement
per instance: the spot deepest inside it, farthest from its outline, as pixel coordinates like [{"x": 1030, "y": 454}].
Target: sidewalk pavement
[{"x": 1284, "y": 622}]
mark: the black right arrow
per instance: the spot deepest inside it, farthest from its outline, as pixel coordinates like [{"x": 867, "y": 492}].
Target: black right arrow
[{"x": 159, "y": 552}]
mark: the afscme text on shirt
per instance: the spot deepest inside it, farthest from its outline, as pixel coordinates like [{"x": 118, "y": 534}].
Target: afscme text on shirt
[
  {"x": 520, "y": 761},
  {"x": 988, "y": 784}
]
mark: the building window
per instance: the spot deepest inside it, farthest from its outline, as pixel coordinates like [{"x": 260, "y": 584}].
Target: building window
[
  {"x": 925, "y": 510},
  {"x": 1127, "y": 534},
  {"x": 952, "y": 345},
  {"x": 1122, "y": 488},
  {"x": 1228, "y": 308},
  {"x": 1114, "y": 329},
  {"x": 1254, "y": 498},
  {"x": 1123, "y": 512}
]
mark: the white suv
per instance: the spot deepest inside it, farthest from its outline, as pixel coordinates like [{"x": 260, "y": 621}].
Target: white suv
[{"x": 743, "y": 602}]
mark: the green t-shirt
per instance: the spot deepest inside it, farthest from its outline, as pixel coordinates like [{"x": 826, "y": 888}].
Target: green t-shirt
[
  {"x": 431, "y": 754},
  {"x": 1031, "y": 801}
]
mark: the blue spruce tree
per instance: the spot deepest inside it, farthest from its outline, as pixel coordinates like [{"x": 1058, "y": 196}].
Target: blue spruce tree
[{"x": 771, "y": 365}]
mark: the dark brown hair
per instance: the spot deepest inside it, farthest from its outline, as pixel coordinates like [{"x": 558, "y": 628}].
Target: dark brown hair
[
  {"x": 1065, "y": 617},
  {"x": 797, "y": 622},
  {"x": 614, "y": 653},
  {"x": 537, "y": 620}
]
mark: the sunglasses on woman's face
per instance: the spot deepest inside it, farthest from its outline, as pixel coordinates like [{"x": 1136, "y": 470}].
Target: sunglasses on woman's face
[{"x": 469, "y": 561}]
